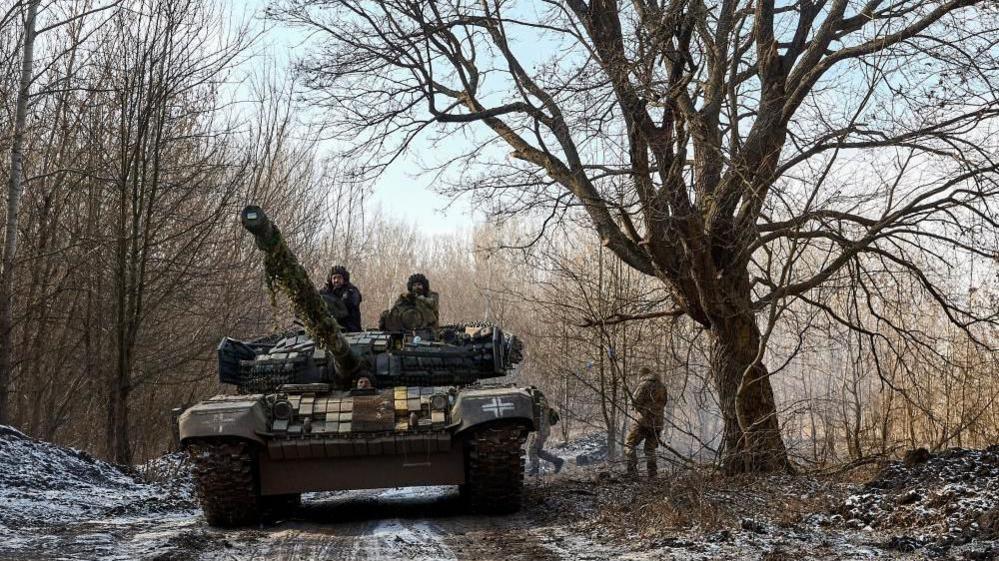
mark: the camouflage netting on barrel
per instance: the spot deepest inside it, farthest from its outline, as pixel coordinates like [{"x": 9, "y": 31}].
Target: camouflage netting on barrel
[{"x": 284, "y": 273}]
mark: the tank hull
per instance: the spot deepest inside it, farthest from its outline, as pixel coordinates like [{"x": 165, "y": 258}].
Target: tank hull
[
  {"x": 282, "y": 476},
  {"x": 333, "y": 440}
]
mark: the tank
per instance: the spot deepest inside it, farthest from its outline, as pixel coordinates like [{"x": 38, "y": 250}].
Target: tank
[{"x": 298, "y": 421}]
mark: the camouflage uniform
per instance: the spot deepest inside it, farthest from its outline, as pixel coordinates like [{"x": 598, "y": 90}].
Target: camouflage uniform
[
  {"x": 429, "y": 301},
  {"x": 429, "y": 306},
  {"x": 413, "y": 310},
  {"x": 649, "y": 401},
  {"x": 536, "y": 446}
]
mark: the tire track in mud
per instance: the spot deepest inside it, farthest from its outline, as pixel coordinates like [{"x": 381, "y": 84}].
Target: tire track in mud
[
  {"x": 509, "y": 538},
  {"x": 415, "y": 524},
  {"x": 395, "y": 539},
  {"x": 374, "y": 541}
]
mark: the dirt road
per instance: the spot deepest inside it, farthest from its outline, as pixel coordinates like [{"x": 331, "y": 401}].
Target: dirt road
[
  {"x": 60, "y": 504},
  {"x": 419, "y": 524}
]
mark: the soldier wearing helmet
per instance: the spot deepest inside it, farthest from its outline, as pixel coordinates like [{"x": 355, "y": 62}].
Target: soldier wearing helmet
[
  {"x": 416, "y": 309},
  {"x": 338, "y": 290},
  {"x": 649, "y": 401},
  {"x": 418, "y": 288}
]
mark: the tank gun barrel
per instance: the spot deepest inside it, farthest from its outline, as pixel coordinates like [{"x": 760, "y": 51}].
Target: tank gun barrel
[
  {"x": 284, "y": 272},
  {"x": 257, "y": 223}
]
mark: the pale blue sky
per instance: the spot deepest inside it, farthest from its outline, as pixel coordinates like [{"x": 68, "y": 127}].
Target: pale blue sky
[{"x": 401, "y": 192}]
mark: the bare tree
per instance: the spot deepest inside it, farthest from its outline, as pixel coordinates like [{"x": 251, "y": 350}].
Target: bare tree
[
  {"x": 167, "y": 180},
  {"x": 699, "y": 138},
  {"x": 13, "y": 204}
]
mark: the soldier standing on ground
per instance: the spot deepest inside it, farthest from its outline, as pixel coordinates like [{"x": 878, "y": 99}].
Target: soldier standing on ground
[
  {"x": 338, "y": 286},
  {"x": 536, "y": 448},
  {"x": 649, "y": 401}
]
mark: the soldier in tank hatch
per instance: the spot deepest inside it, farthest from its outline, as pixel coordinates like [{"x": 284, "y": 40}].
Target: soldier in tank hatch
[
  {"x": 415, "y": 309},
  {"x": 418, "y": 288},
  {"x": 338, "y": 286},
  {"x": 649, "y": 401}
]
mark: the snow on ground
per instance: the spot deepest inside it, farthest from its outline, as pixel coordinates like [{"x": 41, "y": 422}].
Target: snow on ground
[
  {"x": 950, "y": 500},
  {"x": 373, "y": 525},
  {"x": 946, "y": 508},
  {"x": 584, "y": 451},
  {"x": 58, "y": 502},
  {"x": 587, "y": 449},
  {"x": 172, "y": 472},
  {"x": 44, "y": 482}
]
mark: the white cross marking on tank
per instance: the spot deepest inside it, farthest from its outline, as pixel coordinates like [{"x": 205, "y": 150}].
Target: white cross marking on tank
[{"x": 498, "y": 407}]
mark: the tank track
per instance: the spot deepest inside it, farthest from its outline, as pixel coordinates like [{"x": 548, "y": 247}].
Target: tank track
[
  {"x": 226, "y": 482},
  {"x": 494, "y": 465}
]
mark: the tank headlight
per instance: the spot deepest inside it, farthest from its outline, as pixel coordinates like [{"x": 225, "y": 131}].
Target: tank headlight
[
  {"x": 438, "y": 402},
  {"x": 281, "y": 410}
]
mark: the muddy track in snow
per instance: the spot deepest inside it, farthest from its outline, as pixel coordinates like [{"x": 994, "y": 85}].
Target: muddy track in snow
[
  {"x": 394, "y": 524},
  {"x": 390, "y": 524},
  {"x": 60, "y": 504}
]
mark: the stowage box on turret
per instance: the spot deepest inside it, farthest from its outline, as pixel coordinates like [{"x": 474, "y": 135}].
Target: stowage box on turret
[{"x": 299, "y": 423}]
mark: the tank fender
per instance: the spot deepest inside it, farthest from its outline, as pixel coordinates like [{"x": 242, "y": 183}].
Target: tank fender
[
  {"x": 225, "y": 416},
  {"x": 474, "y": 408}
]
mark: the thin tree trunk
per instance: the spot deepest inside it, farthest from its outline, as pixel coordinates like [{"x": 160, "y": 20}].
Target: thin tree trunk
[
  {"x": 605, "y": 404},
  {"x": 14, "y": 189}
]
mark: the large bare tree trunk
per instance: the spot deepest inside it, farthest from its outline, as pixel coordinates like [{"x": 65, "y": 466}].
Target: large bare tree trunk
[
  {"x": 751, "y": 440},
  {"x": 14, "y": 189}
]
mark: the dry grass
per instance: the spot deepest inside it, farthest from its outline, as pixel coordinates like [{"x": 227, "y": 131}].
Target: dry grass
[
  {"x": 708, "y": 502},
  {"x": 688, "y": 500},
  {"x": 697, "y": 500}
]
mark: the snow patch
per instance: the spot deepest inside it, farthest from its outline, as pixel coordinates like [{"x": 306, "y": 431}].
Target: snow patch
[
  {"x": 42, "y": 482},
  {"x": 67, "y": 504},
  {"x": 584, "y": 450},
  {"x": 950, "y": 500}
]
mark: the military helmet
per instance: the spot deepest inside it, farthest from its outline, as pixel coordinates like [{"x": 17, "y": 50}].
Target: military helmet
[
  {"x": 339, "y": 270},
  {"x": 415, "y": 278}
]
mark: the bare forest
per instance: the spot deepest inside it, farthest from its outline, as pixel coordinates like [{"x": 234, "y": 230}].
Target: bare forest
[{"x": 788, "y": 211}]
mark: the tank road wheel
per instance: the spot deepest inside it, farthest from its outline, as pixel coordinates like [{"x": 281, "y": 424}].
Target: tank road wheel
[
  {"x": 226, "y": 482},
  {"x": 494, "y": 470}
]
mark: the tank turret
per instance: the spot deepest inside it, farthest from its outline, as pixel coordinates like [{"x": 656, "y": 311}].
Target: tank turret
[
  {"x": 458, "y": 354},
  {"x": 286, "y": 274}
]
